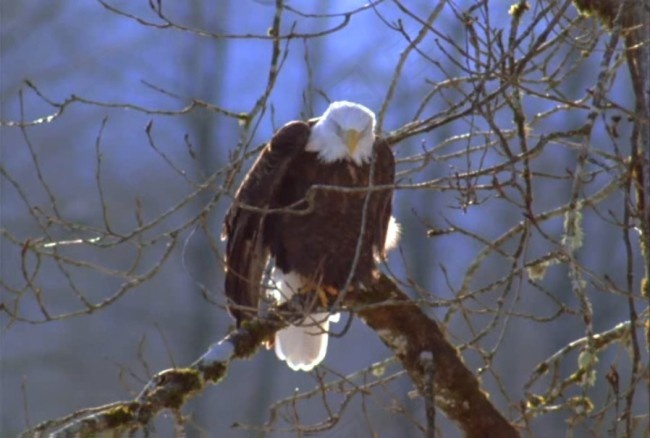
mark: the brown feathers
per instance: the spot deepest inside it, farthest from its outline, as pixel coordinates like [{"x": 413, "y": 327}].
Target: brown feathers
[{"x": 320, "y": 244}]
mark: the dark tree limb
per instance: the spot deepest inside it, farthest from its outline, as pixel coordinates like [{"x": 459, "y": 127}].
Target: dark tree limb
[{"x": 415, "y": 339}]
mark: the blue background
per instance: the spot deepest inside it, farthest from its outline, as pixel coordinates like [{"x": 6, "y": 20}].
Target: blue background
[{"x": 71, "y": 48}]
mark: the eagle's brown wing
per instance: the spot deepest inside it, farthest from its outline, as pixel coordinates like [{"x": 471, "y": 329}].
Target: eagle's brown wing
[
  {"x": 384, "y": 175},
  {"x": 247, "y": 248}
]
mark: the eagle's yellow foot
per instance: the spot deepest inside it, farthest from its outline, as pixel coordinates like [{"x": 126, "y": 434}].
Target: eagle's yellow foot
[{"x": 323, "y": 293}]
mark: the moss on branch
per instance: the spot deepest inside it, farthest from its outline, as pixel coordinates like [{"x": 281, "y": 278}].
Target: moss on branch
[{"x": 398, "y": 321}]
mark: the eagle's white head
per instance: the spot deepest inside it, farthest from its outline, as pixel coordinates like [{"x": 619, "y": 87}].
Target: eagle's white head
[{"x": 344, "y": 132}]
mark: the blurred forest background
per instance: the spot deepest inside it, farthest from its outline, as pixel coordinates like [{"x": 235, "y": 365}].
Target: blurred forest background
[{"x": 119, "y": 132}]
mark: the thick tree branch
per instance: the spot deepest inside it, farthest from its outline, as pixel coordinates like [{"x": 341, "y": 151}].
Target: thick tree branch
[{"x": 414, "y": 338}]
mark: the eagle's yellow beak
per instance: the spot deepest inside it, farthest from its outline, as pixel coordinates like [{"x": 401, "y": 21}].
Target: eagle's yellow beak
[{"x": 352, "y": 139}]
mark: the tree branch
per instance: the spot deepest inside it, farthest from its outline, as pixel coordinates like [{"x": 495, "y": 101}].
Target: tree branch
[{"x": 415, "y": 339}]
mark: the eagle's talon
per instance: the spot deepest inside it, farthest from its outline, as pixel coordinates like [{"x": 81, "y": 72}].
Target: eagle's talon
[
  {"x": 324, "y": 294},
  {"x": 331, "y": 290}
]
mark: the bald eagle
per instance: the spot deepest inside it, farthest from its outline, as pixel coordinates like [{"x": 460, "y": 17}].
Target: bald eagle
[{"x": 312, "y": 236}]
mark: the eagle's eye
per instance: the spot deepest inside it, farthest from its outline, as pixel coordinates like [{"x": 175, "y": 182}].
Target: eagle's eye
[{"x": 338, "y": 129}]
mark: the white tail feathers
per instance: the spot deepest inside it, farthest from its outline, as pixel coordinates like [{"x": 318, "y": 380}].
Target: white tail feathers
[{"x": 302, "y": 346}]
